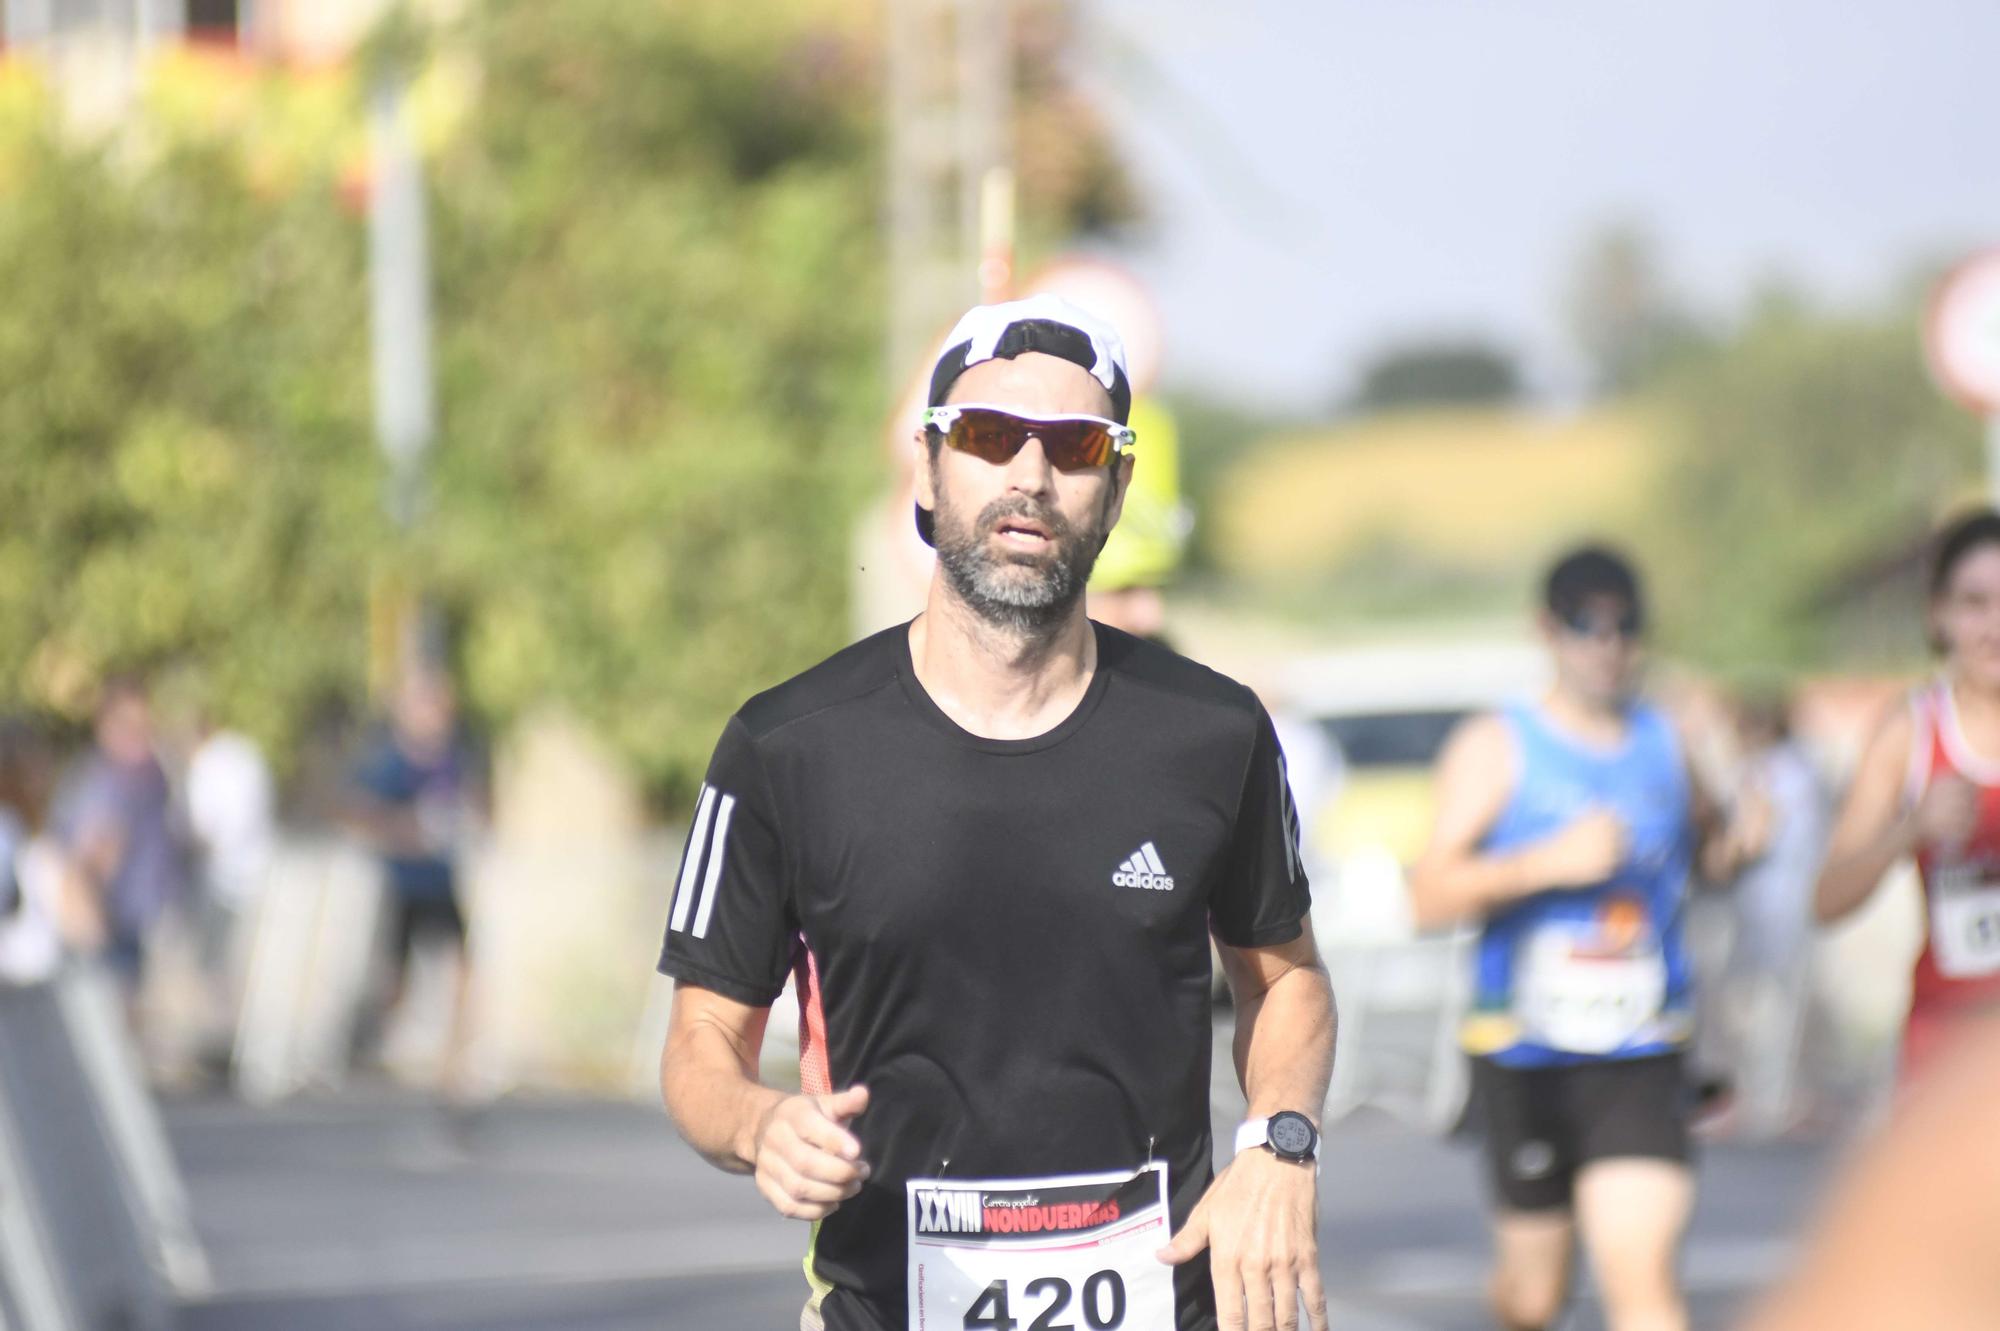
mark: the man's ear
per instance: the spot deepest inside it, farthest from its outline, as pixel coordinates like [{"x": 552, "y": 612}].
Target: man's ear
[
  {"x": 1121, "y": 481},
  {"x": 925, "y": 480}
]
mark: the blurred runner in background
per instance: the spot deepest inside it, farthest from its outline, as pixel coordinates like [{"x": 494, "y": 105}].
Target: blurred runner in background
[
  {"x": 1567, "y": 828},
  {"x": 1928, "y": 785},
  {"x": 1766, "y": 998},
  {"x": 412, "y": 795},
  {"x": 1143, "y": 553},
  {"x": 124, "y": 845},
  {"x": 232, "y": 816},
  {"x": 30, "y": 947}
]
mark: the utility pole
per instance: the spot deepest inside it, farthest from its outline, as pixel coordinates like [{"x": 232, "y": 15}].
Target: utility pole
[
  {"x": 951, "y": 184},
  {"x": 400, "y": 337}
]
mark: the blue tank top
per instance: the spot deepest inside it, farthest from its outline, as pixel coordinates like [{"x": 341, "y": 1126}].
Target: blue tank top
[{"x": 1599, "y": 972}]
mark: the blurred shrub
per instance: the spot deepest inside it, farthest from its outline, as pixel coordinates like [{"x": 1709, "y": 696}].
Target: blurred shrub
[
  {"x": 1482, "y": 492},
  {"x": 1444, "y": 374},
  {"x": 183, "y": 407},
  {"x": 658, "y": 290},
  {"x": 659, "y": 293},
  {"x": 1804, "y": 448}
]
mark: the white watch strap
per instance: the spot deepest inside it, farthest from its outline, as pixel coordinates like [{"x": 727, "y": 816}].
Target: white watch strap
[{"x": 1254, "y": 1132}]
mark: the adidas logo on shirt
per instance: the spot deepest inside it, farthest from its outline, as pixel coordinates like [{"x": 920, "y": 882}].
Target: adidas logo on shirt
[{"x": 1143, "y": 870}]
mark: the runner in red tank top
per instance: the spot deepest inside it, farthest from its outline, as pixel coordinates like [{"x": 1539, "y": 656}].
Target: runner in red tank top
[
  {"x": 1928, "y": 786},
  {"x": 1959, "y": 968}
]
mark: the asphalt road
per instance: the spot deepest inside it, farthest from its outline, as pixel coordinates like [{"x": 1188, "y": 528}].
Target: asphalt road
[{"x": 368, "y": 1212}]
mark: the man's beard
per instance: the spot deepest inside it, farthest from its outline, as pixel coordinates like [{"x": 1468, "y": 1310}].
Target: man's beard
[{"x": 1026, "y": 596}]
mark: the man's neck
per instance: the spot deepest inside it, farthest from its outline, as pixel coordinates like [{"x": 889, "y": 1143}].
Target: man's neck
[
  {"x": 997, "y": 682},
  {"x": 1589, "y": 719}
]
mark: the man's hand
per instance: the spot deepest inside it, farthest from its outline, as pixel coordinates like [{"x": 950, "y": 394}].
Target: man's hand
[
  {"x": 1744, "y": 836},
  {"x": 1257, "y": 1219},
  {"x": 1585, "y": 853},
  {"x": 808, "y": 1163}
]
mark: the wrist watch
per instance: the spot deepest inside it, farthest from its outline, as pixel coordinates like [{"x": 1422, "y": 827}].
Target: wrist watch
[{"x": 1287, "y": 1134}]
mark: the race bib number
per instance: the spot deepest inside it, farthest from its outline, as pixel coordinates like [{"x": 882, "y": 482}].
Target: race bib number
[
  {"x": 1965, "y": 933},
  {"x": 1069, "y": 1253},
  {"x": 1581, "y": 999}
]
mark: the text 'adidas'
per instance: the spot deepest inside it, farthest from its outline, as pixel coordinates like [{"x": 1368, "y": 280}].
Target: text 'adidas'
[{"x": 1143, "y": 869}]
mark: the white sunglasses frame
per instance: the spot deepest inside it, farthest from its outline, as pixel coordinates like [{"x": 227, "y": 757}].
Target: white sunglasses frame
[{"x": 1123, "y": 437}]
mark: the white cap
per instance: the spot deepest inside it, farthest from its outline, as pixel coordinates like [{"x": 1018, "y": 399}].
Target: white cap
[{"x": 1046, "y": 323}]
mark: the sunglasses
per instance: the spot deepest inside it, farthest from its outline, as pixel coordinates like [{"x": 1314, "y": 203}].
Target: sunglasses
[
  {"x": 1072, "y": 443},
  {"x": 1628, "y": 626}
]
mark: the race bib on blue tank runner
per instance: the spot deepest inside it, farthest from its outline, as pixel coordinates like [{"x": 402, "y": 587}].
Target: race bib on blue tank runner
[
  {"x": 1068, "y": 1253},
  {"x": 1574, "y": 993}
]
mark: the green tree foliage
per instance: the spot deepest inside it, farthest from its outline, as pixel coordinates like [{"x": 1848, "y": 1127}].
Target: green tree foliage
[
  {"x": 1804, "y": 447},
  {"x": 1620, "y": 312},
  {"x": 182, "y": 406},
  {"x": 1457, "y": 374},
  {"x": 659, "y": 292}
]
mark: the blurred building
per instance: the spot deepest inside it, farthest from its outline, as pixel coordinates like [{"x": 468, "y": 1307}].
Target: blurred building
[{"x": 94, "y": 50}]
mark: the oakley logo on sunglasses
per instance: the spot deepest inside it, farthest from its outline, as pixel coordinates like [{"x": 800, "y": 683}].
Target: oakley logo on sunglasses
[{"x": 1072, "y": 443}]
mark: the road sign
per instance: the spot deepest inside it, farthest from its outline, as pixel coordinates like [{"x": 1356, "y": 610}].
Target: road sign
[{"x": 1962, "y": 334}]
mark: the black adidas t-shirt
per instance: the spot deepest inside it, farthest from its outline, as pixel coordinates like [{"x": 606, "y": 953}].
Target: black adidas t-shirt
[{"x": 1009, "y": 937}]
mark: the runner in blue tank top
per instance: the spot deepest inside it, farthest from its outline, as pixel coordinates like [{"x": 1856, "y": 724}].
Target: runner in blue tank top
[
  {"x": 1572, "y": 976},
  {"x": 1568, "y": 828}
]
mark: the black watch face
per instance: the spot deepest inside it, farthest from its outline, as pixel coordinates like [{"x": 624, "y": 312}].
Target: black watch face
[{"x": 1292, "y": 1135}]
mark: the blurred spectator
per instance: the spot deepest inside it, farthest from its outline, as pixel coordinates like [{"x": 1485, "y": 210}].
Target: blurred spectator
[
  {"x": 230, "y": 813},
  {"x": 1143, "y": 554},
  {"x": 19, "y": 916},
  {"x": 412, "y": 794},
  {"x": 1767, "y": 986},
  {"x": 30, "y": 947},
  {"x": 114, "y": 819}
]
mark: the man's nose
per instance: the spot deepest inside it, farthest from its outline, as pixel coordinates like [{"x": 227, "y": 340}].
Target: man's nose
[{"x": 1029, "y": 471}]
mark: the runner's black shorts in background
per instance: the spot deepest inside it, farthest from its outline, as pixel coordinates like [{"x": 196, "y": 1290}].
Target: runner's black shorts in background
[
  {"x": 424, "y": 921},
  {"x": 1541, "y": 1125}
]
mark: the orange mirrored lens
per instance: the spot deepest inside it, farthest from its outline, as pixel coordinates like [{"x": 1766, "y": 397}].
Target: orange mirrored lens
[{"x": 996, "y": 436}]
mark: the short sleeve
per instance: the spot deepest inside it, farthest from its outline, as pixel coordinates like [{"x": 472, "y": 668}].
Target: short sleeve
[
  {"x": 1262, "y": 896},
  {"x": 381, "y": 775},
  {"x": 731, "y": 925},
  {"x": 96, "y": 808}
]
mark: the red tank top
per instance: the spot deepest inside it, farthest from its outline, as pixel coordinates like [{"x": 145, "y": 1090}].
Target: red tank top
[{"x": 1959, "y": 968}]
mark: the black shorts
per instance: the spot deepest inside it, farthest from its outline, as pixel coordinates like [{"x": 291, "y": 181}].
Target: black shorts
[
  {"x": 1541, "y": 1125},
  {"x": 424, "y": 919}
]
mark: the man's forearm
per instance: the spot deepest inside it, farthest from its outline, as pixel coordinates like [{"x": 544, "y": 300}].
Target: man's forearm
[
  {"x": 1284, "y": 1043},
  {"x": 1446, "y": 894},
  {"x": 714, "y": 1098},
  {"x": 1850, "y": 877}
]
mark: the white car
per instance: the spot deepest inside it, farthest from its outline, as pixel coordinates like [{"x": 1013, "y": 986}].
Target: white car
[{"x": 1386, "y": 712}]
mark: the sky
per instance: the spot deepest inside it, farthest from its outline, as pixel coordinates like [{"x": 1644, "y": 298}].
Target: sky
[{"x": 1329, "y": 178}]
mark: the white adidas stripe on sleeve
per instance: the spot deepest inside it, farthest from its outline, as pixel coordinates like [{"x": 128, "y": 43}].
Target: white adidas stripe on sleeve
[
  {"x": 1291, "y": 820},
  {"x": 691, "y": 861},
  {"x": 715, "y": 855}
]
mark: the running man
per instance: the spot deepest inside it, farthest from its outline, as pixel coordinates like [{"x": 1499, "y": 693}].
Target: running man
[
  {"x": 1566, "y": 829},
  {"x": 411, "y": 798},
  {"x": 1928, "y": 785},
  {"x": 992, "y": 845}
]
